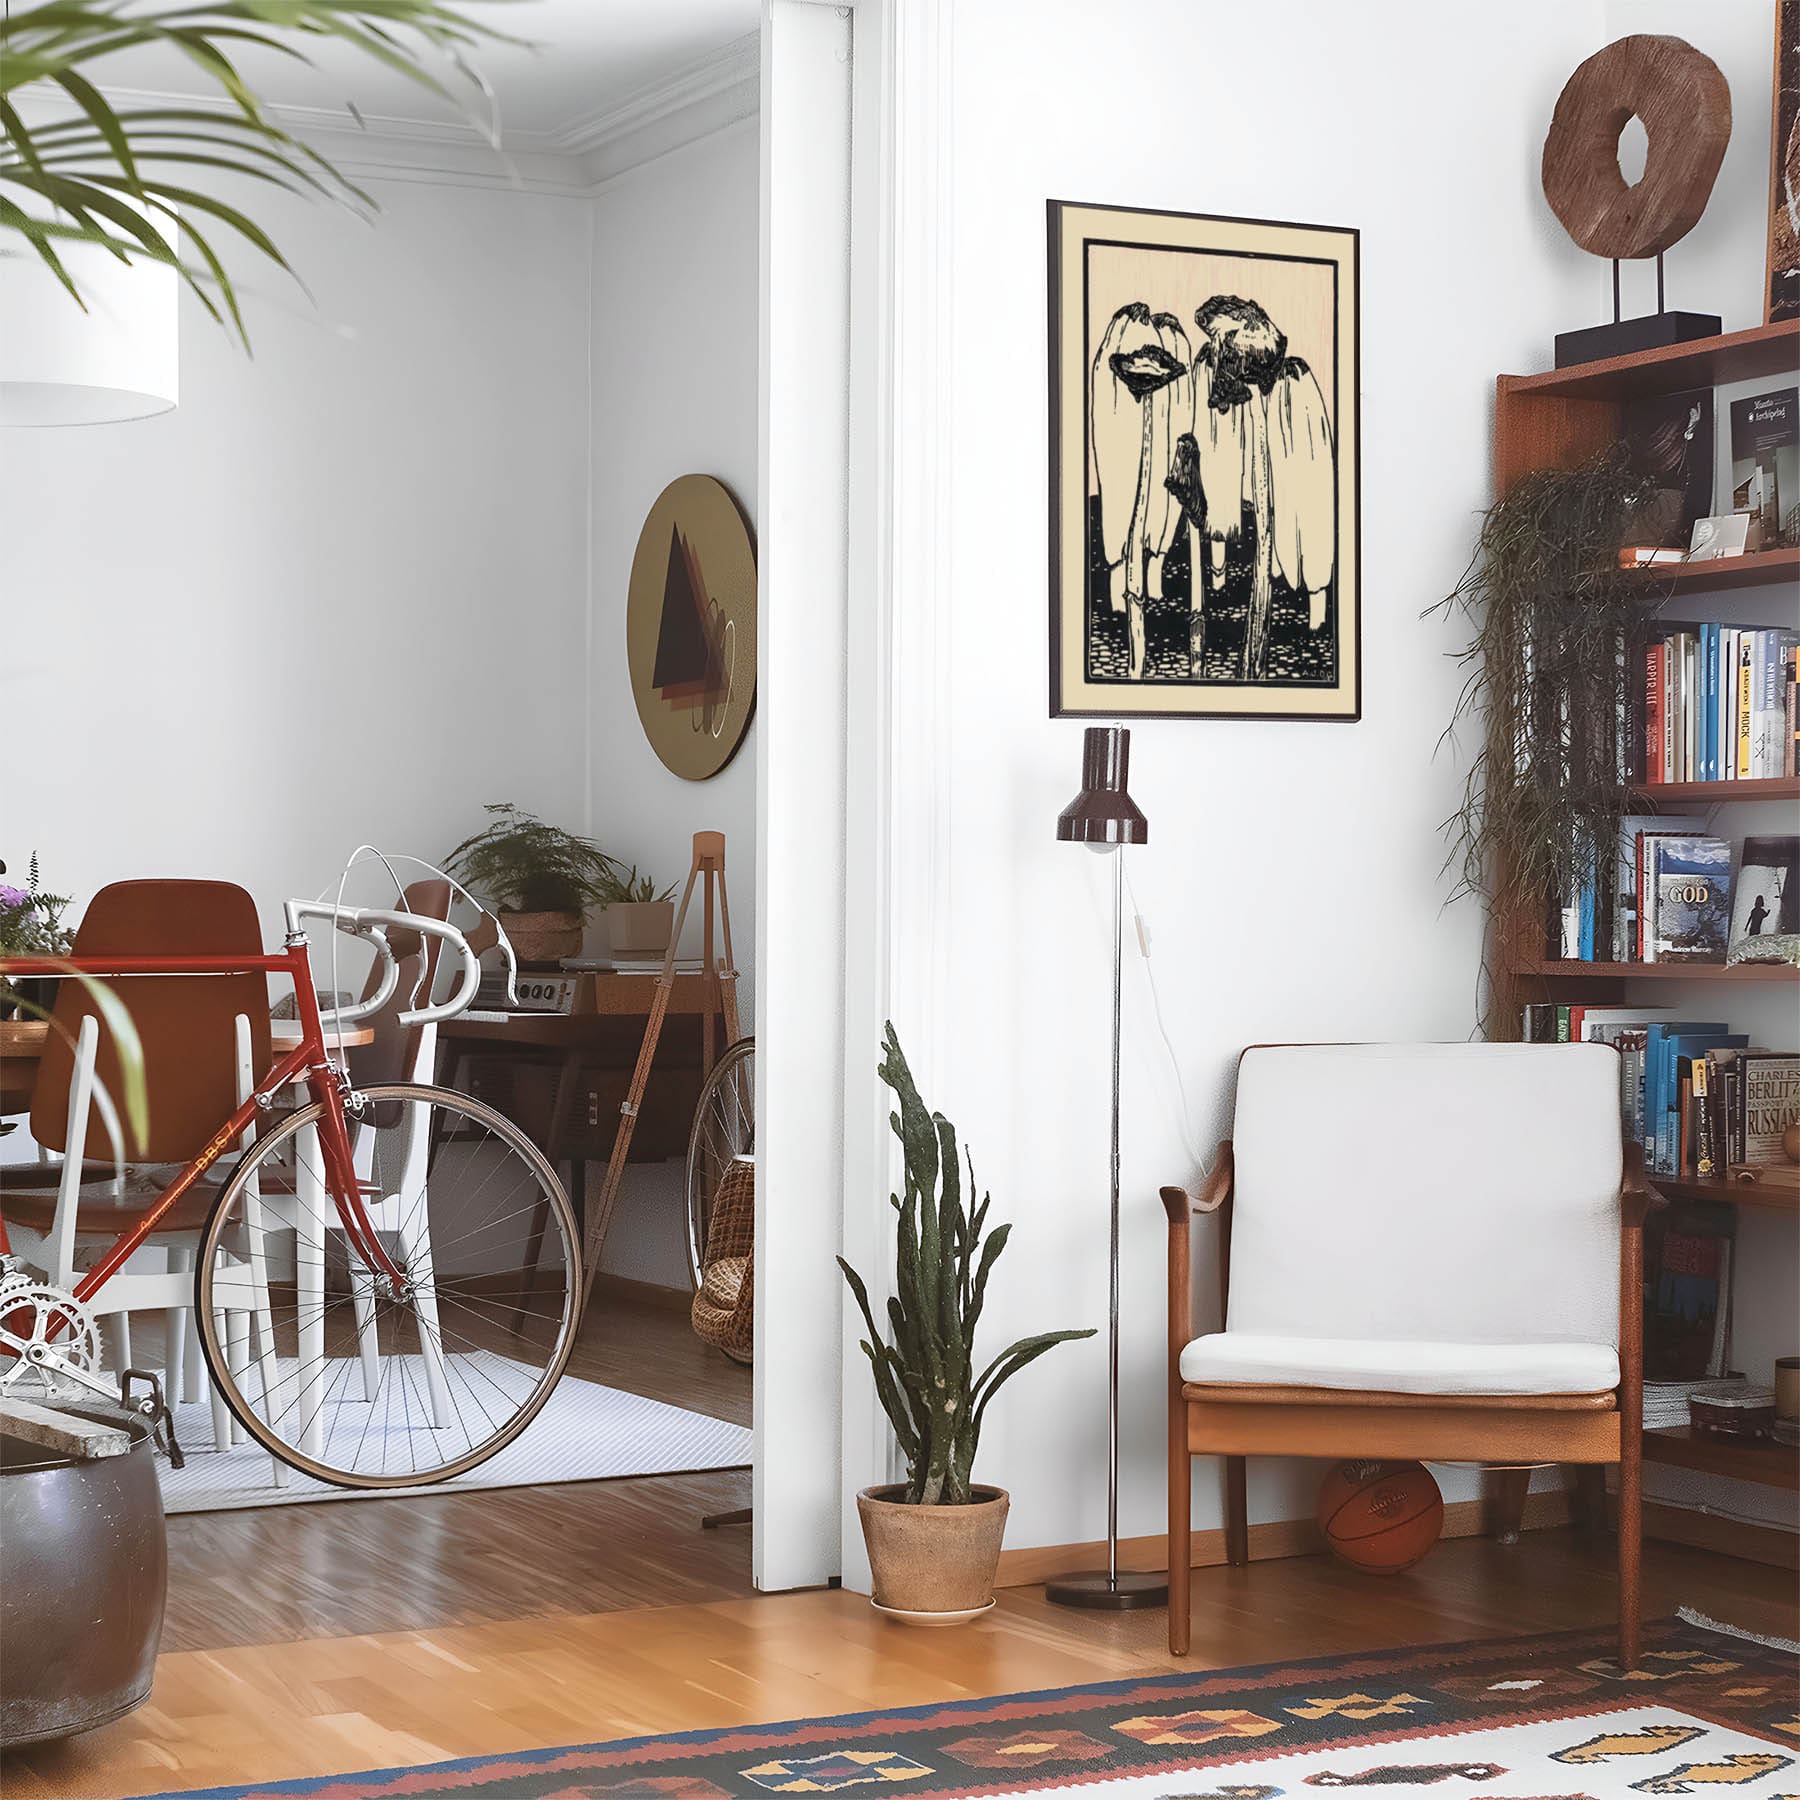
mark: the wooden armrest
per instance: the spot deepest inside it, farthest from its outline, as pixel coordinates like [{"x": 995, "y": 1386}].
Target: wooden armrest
[
  {"x": 1636, "y": 1196},
  {"x": 1179, "y": 1204}
]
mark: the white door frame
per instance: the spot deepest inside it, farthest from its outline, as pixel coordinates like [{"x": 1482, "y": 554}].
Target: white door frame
[{"x": 851, "y": 810}]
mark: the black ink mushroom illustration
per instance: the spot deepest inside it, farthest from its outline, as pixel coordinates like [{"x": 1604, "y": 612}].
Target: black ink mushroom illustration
[
  {"x": 1261, "y": 442},
  {"x": 1140, "y": 400}
]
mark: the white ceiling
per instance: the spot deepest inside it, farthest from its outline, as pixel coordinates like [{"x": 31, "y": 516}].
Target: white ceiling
[{"x": 588, "y": 61}]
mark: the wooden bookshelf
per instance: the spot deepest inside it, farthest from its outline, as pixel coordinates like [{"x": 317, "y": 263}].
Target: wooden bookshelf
[
  {"x": 1763, "y": 350},
  {"x": 1758, "y": 568},
  {"x": 1551, "y": 970},
  {"x": 1765, "y": 1197},
  {"x": 1743, "y": 1459},
  {"x": 1558, "y": 420},
  {"x": 1713, "y": 793}
]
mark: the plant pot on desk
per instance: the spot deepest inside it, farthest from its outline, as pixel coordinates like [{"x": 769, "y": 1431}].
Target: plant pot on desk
[
  {"x": 933, "y": 1565},
  {"x": 540, "y": 940},
  {"x": 640, "y": 928}
]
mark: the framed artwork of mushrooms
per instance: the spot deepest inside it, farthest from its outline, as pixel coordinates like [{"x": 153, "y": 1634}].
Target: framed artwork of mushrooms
[{"x": 1204, "y": 537}]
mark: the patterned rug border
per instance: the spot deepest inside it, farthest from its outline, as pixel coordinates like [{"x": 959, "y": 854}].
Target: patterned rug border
[{"x": 621, "y": 1753}]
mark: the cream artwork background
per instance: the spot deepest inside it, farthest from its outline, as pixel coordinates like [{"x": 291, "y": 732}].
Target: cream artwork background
[{"x": 1167, "y": 598}]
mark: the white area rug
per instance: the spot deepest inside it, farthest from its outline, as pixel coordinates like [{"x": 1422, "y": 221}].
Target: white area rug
[{"x": 586, "y": 1432}]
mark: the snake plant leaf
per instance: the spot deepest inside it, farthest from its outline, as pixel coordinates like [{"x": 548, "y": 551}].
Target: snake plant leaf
[{"x": 942, "y": 1264}]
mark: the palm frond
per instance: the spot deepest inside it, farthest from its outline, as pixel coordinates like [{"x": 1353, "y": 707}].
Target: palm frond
[{"x": 121, "y": 179}]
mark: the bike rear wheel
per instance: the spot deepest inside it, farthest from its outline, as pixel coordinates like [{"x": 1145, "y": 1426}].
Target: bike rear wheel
[
  {"x": 334, "y": 1368},
  {"x": 724, "y": 1127}
]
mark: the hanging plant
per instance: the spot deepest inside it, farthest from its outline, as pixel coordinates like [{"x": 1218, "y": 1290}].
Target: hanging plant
[{"x": 1549, "y": 681}]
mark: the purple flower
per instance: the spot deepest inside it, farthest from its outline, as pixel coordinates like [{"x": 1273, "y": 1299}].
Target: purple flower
[{"x": 13, "y": 897}]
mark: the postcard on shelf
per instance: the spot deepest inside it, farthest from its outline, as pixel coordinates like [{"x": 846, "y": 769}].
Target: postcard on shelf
[
  {"x": 1670, "y": 440},
  {"x": 1767, "y": 898},
  {"x": 1765, "y": 459},
  {"x": 1722, "y": 535}
]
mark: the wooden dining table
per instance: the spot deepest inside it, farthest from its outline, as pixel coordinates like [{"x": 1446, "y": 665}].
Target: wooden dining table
[{"x": 22, "y": 1044}]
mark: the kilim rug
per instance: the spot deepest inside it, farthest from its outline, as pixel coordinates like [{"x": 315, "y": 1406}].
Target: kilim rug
[{"x": 1542, "y": 1718}]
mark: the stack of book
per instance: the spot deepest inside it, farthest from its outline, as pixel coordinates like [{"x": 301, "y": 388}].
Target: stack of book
[
  {"x": 1719, "y": 704},
  {"x": 1677, "y": 894},
  {"x": 1699, "y": 1097}
]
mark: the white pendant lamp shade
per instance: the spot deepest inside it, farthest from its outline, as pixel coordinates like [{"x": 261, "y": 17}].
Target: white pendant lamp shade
[{"x": 120, "y": 359}]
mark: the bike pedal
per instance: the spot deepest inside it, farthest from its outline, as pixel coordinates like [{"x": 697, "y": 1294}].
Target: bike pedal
[{"x": 156, "y": 1409}]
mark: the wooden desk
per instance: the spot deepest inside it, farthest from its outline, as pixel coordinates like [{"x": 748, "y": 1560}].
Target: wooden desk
[
  {"x": 22, "y": 1045},
  {"x": 561, "y": 1077}
]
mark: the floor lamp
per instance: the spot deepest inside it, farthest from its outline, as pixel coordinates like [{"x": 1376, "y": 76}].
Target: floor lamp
[{"x": 1104, "y": 817}]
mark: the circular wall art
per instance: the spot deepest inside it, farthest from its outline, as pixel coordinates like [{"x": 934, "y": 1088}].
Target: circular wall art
[{"x": 690, "y": 626}]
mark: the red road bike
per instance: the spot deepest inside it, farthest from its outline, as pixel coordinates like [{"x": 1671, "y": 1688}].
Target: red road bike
[{"x": 387, "y": 1280}]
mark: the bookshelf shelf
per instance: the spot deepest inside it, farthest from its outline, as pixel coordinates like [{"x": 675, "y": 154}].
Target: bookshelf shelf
[
  {"x": 1764, "y": 350},
  {"x": 1758, "y": 1460},
  {"x": 1655, "y": 971},
  {"x": 1778, "y": 787},
  {"x": 1759, "y": 568},
  {"x": 1771, "y": 1197}
]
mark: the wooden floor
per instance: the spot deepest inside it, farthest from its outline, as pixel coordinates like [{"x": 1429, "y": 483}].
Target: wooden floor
[
  {"x": 336, "y": 1704},
  {"x": 315, "y": 1640},
  {"x": 334, "y": 1568}
]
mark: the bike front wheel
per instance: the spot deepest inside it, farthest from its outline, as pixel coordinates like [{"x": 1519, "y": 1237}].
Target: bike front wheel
[{"x": 344, "y": 1373}]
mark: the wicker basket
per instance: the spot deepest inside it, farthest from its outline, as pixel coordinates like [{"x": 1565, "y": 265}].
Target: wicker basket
[{"x": 722, "y": 1312}]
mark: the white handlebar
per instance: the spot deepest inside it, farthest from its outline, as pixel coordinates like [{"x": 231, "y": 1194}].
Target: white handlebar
[{"x": 373, "y": 924}]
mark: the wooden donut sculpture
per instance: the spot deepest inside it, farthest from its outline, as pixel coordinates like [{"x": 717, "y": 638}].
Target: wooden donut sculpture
[{"x": 1684, "y": 102}]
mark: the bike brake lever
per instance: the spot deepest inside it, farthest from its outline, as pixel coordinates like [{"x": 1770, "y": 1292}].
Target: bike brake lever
[{"x": 156, "y": 1409}]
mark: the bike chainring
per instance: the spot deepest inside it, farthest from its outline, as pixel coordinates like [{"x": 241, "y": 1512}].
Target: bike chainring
[{"x": 33, "y": 1313}]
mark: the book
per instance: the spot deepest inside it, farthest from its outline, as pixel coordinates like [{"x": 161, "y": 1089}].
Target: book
[
  {"x": 1768, "y": 1103},
  {"x": 1770, "y": 651},
  {"x": 1741, "y": 756},
  {"x": 1669, "y": 439},
  {"x": 1765, "y": 459},
  {"x": 1688, "y": 882},
  {"x": 1766, "y": 897},
  {"x": 1632, "y": 829},
  {"x": 1687, "y": 1302}
]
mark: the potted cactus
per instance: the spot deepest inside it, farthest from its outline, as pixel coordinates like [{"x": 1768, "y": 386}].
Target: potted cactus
[{"x": 934, "y": 1539}]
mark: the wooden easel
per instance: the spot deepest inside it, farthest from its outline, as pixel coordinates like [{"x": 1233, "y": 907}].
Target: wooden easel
[{"x": 721, "y": 997}]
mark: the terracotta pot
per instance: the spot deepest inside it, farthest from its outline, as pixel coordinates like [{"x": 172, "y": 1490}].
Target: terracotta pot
[
  {"x": 933, "y": 1559},
  {"x": 640, "y": 927},
  {"x": 542, "y": 939}
]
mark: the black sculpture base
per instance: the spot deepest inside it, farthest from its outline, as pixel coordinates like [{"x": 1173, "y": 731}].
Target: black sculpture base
[
  {"x": 1625, "y": 337},
  {"x": 1094, "y": 1590}
]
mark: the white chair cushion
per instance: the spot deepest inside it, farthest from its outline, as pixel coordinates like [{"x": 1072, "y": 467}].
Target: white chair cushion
[
  {"x": 1444, "y": 1193},
  {"x": 1386, "y": 1366}
]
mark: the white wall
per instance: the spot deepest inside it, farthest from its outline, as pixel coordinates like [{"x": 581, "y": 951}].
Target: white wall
[
  {"x": 674, "y": 337},
  {"x": 377, "y": 527},
  {"x": 1292, "y": 879}
]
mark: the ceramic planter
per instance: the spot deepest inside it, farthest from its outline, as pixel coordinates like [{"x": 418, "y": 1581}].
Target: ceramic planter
[
  {"x": 933, "y": 1565},
  {"x": 640, "y": 928},
  {"x": 543, "y": 939},
  {"x": 81, "y": 1609}
]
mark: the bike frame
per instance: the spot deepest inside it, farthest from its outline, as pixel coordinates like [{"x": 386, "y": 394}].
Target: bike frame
[{"x": 308, "y": 1061}]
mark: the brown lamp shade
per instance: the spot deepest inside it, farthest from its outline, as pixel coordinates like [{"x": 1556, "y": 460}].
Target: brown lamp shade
[{"x": 1103, "y": 812}]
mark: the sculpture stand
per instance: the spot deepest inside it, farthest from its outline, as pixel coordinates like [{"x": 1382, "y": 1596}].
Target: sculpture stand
[{"x": 1625, "y": 337}]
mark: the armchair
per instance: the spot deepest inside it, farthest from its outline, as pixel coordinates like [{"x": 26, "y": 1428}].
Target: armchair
[{"x": 1428, "y": 1251}]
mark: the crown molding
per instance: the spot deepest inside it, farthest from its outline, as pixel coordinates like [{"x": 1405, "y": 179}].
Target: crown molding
[
  {"x": 696, "y": 95},
  {"x": 706, "y": 96}
]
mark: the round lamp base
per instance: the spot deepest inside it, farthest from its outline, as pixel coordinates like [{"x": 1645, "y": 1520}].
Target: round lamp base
[{"x": 1095, "y": 1590}]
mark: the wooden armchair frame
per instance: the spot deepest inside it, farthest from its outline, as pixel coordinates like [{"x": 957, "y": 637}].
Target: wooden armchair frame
[{"x": 1238, "y": 1420}]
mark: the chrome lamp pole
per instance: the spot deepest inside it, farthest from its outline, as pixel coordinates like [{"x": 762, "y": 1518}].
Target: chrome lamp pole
[{"x": 1105, "y": 818}]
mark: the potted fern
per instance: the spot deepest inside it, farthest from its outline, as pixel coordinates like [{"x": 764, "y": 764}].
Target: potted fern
[
  {"x": 934, "y": 1539},
  {"x": 542, "y": 878}
]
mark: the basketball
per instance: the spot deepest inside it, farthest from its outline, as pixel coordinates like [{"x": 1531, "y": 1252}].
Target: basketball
[{"x": 1380, "y": 1517}]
